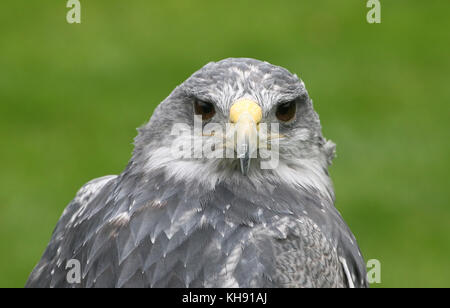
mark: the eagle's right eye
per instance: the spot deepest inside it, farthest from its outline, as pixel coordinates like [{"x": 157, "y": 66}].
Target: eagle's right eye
[
  {"x": 205, "y": 109},
  {"x": 286, "y": 112}
]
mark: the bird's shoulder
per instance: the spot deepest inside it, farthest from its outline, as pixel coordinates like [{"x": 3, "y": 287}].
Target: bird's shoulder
[
  {"x": 92, "y": 188},
  {"x": 303, "y": 256},
  {"x": 80, "y": 209},
  {"x": 82, "y": 201}
]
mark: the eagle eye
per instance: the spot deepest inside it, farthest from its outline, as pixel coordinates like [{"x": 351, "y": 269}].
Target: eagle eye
[
  {"x": 286, "y": 111},
  {"x": 205, "y": 109}
]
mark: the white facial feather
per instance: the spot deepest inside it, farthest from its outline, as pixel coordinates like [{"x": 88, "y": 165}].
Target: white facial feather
[{"x": 306, "y": 172}]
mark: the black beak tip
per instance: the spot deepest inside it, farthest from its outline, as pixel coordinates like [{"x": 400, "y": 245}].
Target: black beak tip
[{"x": 245, "y": 165}]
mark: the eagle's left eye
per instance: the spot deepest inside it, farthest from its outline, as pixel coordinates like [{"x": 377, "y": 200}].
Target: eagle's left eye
[
  {"x": 286, "y": 112},
  {"x": 205, "y": 109}
]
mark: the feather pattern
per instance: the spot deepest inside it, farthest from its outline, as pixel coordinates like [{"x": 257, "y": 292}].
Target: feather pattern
[{"x": 222, "y": 238}]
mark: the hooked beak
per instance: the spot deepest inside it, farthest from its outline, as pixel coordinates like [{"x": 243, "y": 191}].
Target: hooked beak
[{"x": 246, "y": 115}]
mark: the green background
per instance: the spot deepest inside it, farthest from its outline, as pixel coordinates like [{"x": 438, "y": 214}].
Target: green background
[{"x": 71, "y": 97}]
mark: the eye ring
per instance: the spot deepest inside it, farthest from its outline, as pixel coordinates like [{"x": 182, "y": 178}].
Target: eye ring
[
  {"x": 286, "y": 111},
  {"x": 205, "y": 109}
]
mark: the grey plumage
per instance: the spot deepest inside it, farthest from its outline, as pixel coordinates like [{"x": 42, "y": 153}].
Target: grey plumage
[{"x": 200, "y": 223}]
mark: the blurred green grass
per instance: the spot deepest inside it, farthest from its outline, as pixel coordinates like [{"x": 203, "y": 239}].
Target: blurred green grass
[{"x": 72, "y": 95}]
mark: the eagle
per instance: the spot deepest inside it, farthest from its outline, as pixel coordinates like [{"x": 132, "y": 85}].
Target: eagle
[{"x": 227, "y": 187}]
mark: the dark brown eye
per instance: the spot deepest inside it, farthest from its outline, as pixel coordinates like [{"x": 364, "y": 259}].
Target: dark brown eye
[
  {"x": 205, "y": 109},
  {"x": 286, "y": 112}
]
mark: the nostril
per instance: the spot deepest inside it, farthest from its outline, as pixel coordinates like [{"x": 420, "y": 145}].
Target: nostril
[{"x": 245, "y": 106}]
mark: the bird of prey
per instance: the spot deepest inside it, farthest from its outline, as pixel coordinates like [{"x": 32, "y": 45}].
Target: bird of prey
[{"x": 196, "y": 221}]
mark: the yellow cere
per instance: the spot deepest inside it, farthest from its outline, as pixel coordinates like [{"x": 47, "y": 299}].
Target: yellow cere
[{"x": 245, "y": 105}]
